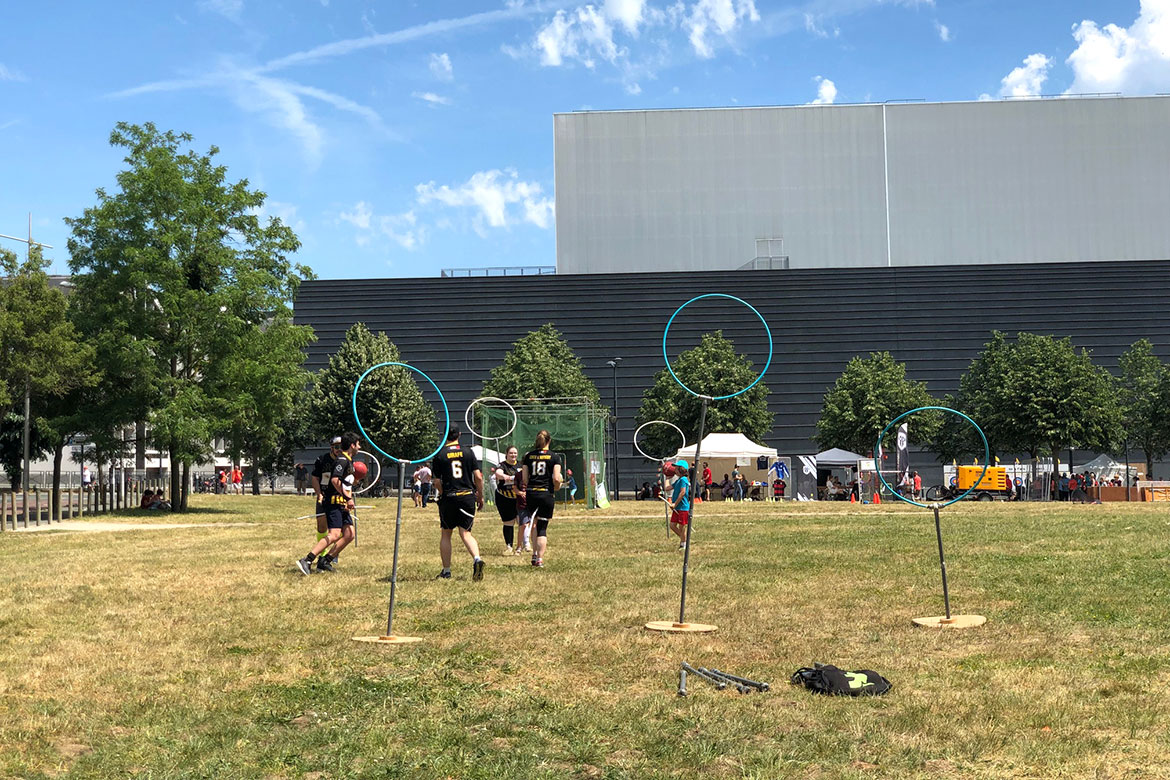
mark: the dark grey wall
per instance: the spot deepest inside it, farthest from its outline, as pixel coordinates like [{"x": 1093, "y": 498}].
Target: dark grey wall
[{"x": 935, "y": 319}]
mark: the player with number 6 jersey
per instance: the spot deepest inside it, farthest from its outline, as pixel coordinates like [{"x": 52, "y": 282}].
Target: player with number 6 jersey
[
  {"x": 459, "y": 481},
  {"x": 542, "y": 478}
]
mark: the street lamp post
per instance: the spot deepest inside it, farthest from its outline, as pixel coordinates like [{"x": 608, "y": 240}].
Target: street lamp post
[{"x": 616, "y": 471}]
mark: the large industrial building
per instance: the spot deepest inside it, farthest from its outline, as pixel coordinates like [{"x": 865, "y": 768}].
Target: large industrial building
[{"x": 913, "y": 228}]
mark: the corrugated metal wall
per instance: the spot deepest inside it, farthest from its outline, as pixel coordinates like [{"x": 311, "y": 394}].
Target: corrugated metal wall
[
  {"x": 1006, "y": 181},
  {"x": 935, "y": 319}
]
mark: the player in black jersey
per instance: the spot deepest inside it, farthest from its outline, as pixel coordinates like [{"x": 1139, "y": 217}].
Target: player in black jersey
[
  {"x": 457, "y": 477},
  {"x": 337, "y": 496},
  {"x": 542, "y": 478},
  {"x": 506, "y": 498},
  {"x": 321, "y": 473}
]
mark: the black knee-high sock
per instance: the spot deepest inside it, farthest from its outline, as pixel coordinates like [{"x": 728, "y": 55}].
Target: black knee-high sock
[{"x": 509, "y": 534}]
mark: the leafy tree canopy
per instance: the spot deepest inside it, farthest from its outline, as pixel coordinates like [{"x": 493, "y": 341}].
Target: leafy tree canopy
[
  {"x": 868, "y": 395},
  {"x": 1144, "y": 392},
  {"x": 541, "y": 365},
  {"x": 713, "y": 367},
  {"x": 393, "y": 409}
]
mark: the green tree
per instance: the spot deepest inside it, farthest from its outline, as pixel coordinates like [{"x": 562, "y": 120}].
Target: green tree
[
  {"x": 867, "y": 396},
  {"x": 12, "y": 445},
  {"x": 1143, "y": 384},
  {"x": 262, "y": 385},
  {"x": 1038, "y": 394},
  {"x": 713, "y": 367},
  {"x": 541, "y": 365},
  {"x": 42, "y": 355},
  {"x": 178, "y": 266},
  {"x": 393, "y": 409}
]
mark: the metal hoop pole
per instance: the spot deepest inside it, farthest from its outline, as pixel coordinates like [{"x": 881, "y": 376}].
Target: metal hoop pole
[
  {"x": 665, "y": 508},
  {"x": 682, "y": 607},
  {"x": 397, "y": 531},
  {"x": 942, "y": 563}
]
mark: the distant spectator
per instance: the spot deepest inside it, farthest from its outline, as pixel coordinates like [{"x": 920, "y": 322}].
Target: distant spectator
[
  {"x": 237, "y": 480},
  {"x": 302, "y": 479},
  {"x": 645, "y": 493},
  {"x": 917, "y": 485},
  {"x": 147, "y": 500},
  {"x": 86, "y": 477},
  {"x": 726, "y": 487}
]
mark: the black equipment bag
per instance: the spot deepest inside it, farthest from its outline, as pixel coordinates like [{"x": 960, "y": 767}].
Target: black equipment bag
[{"x": 829, "y": 680}]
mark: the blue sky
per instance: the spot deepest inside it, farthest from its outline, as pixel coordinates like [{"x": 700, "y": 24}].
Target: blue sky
[{"x": 399, "y": 138}]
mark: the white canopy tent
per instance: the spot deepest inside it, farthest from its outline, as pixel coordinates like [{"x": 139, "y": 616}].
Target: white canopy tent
[
  {"x": 727, "y": 445},
  {"x": 484, "y": 454},
  {"x": 1106, "y": 467},
  {"x": 836, "y": 458}
]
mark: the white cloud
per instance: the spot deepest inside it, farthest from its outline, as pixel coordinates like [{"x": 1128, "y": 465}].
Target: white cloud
[
  {"x": 944, "y": 32},
  {"x": 441, "y": 67},
  {"x": 1028, "y": 79},
  {"x": 582, "y": 35},
  {"x": 826, "y": 92},
  {"x": 230, "y": 9},
  {"x": 628, "y": 12},
  {"x": 492, "y": 194},
  {"x": 432, "y": 98},
  {"x": 1119, "y": 59},
  {"x": 403, "y": 229},
  {"x": 815, "y": 25},
  {"x": 718, "y": 16},
  {"x": 359, "y": 217},
  {"x": 10, "y": 74}
]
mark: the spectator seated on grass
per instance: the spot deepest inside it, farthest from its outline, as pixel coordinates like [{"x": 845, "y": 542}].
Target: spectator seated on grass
[{"x": 152, "y": 500}]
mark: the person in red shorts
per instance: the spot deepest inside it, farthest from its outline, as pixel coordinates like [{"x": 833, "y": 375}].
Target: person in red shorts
[{"x": 680, "y": 502}]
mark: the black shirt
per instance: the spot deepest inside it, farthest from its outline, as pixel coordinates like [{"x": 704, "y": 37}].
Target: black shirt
[
  {"x": 455, "y": 467},
  {"x": 323, "y": 467},
  {"x": 540, "y": 469},
  {"x": 343, "y": 471},
  {"x": 507, "y": 489}
]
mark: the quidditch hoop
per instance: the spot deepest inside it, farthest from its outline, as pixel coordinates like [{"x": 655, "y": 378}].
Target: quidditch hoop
[
  {"x": 681, "y": 435},
  {"x": 733, "y": 298},
  {"x": 446, "y": 412},
  {"x": 986, "y": 455},
  {"x": 467, "y": 416},
  {"x": 370, "y": 481}
]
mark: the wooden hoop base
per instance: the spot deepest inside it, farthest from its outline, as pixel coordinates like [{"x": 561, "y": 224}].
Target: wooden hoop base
[
  {"x": 389, "y": 640},
  {"x": 671, "y": 627},
  {"x": 956, "y": 621}
]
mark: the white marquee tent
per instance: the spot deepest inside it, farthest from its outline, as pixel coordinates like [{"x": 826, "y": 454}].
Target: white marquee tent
[{"x": 727, "y": 445}]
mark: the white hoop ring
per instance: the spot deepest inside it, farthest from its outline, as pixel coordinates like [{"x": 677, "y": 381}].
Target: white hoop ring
[
  {"x": 682, "y": 435},
  {"x": 373, "y": 481},
  {"x": 471, "y": 428}
]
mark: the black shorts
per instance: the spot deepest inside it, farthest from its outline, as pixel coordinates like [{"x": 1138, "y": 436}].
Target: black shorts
[
  {"x": 506, "y": 507},
  {"x": 541, "y": 504},
  {"x": 338, "y": 517},
  {"x": 456, "y": 512}
]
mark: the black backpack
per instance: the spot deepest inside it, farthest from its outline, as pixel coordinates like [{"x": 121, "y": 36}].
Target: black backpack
[{"x": 829, "y": 680}]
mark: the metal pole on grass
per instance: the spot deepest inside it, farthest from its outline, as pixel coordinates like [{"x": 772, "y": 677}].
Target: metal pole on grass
[
  {"x": 942, "y": 563},
  {"x": 682, "y": 608},
  {"x": 397, "y": 531}
]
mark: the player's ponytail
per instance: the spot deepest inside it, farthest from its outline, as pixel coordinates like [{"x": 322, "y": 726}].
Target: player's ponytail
[{"x": 542, "y": 440}]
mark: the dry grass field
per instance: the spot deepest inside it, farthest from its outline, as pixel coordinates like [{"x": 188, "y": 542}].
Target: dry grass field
[{"x": 202, "y": 652}]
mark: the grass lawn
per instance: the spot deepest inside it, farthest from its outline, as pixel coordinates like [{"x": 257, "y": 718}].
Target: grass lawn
[{"x": 202, "y": 652}]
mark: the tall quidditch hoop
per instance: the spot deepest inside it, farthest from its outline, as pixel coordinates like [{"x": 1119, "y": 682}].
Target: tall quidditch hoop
[
  {"x": 641, "y": 451},
  {"x": 468, "y": 416},
  {"x": 420, "y": 372},
  {"x": 666, "y": 357},
  {"x": 986, "y": 455}
]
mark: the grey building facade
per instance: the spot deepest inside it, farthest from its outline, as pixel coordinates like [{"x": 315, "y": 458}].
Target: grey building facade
[
  {"x": 863, "y": 186},
  {"x": 934, "y": 318}
]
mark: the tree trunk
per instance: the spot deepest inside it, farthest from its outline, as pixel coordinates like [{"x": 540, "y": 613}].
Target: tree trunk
[
  {"x": 255, "y": 481},
  {"x": 55, "y": 501},
  {"x": 1149, "y": 465},
  {"x": 101, "y": 484},
  {"x": 182, "y": 505},
  {"x": 176, "y": 491}
]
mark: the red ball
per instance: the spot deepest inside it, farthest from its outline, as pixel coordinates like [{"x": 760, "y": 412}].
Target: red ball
[
  {"x": 668, "y": 469},
  {"x": 359, "y": 470}
]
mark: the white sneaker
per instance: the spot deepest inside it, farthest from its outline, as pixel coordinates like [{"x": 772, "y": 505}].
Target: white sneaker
[{"x": 508, "y": 551}]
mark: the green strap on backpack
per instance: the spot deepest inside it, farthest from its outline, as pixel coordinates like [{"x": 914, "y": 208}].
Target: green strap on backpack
[{"x": 831, "y": 681}]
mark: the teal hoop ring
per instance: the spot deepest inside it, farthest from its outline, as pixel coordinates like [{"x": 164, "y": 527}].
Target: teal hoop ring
[
  {"x": 970, "y": 490},
  {"x": 358, "y": 420},
  {"x": 666, "y": 357}
]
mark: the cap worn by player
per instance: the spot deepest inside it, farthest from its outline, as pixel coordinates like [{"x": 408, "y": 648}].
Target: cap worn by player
[{"x": 681, "y": 465}]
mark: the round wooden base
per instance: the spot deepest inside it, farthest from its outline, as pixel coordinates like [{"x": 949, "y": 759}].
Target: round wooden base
[
  {"x": 955, "y": 621},
  {"x": 671, "y": 627},
  {"x": 389, "y": 640}
]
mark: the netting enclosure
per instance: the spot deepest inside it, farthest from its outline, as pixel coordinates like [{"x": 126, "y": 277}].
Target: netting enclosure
[{"x": 578, "y": 429}]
